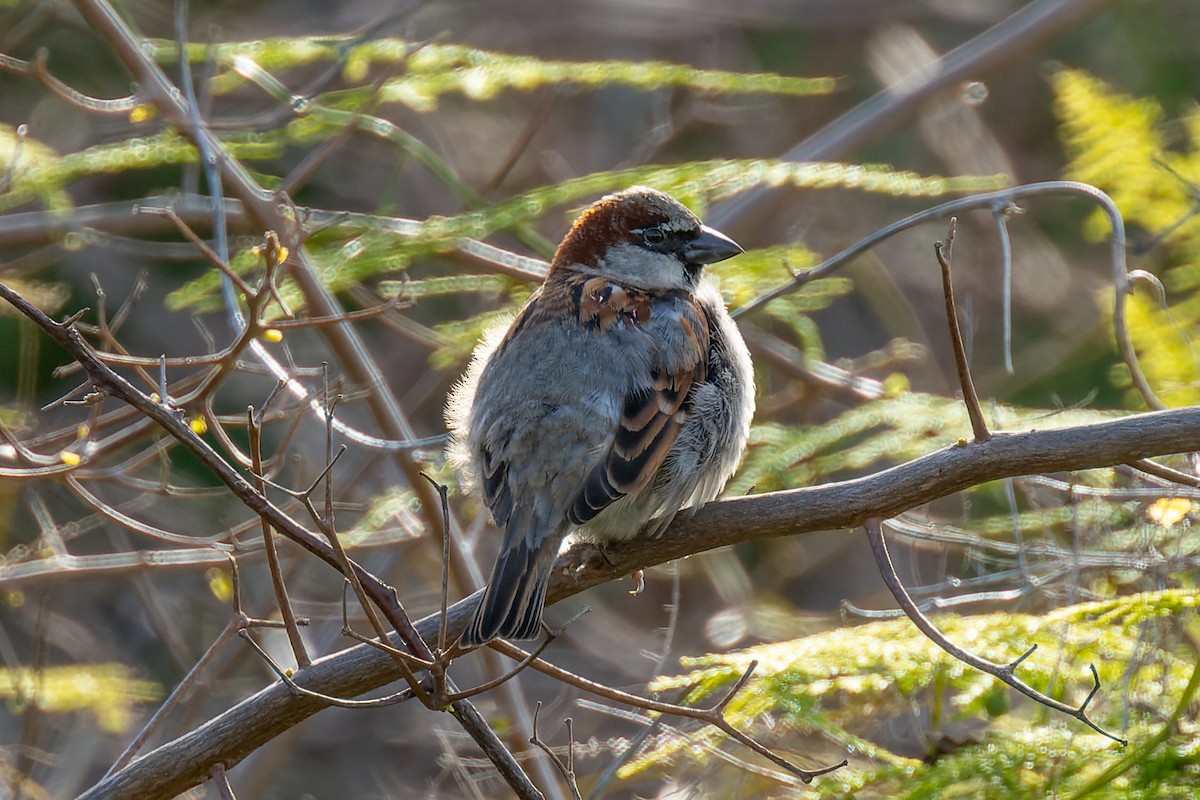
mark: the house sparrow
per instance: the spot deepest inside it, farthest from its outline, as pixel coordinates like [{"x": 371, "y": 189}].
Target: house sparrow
[{"x": 621, "y": 392}]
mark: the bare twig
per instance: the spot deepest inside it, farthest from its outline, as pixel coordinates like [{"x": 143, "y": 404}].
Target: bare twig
[
  {"x": 336, "y": 702},
  {"x": 713, "y": 715},
  {"x": 443, "y": 493},
  {"x": 567, "y": 770},
  {"x": 537, "y": 119},
  {"x": 406, "y": 662},
  {"x": 474, "y": 723},
  {"x": 104, "y": 379},
  {"x": 990, "y": 200},
  {"x": 1139, "y": 756},
  {"x": 299, "y": 651},
  {"x": 1000, "y": 214},
  {"x": 268, "y": 213},
  {"x": 1161, "y": 471},
  {"x": 1004, "y": 672},
  {"x": 970, "y": 398},
  {"x": 221, "y": 262},
  {"x": 303, "y": 171},
  {"x": 503, "y": 679},
  {"x": 238, "y": 623}
]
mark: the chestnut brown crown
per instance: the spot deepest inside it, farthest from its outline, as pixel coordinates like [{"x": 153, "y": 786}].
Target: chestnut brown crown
[{"x": 644, "y": 238}]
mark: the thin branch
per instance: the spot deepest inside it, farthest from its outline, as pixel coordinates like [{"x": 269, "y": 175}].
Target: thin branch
[
  {"x": 989, "y": 200},
  {"x": 537, "y": 119},
  {"x": 38, "y": 70},
  {"x": 1166, "y": 473},
  {"x": 508, "y": 675},
  {"x": 567, "y": 770},
  {"x": 105, "y": 380},
  {"x": 970, "y": 398},
  {"x": 829, "y": 379},
  {"x": 217, "y": 541},
  {"x": 504, "y": 678},
  {"x": 474, "y": 723},
  {"x": 336, "y": 702},
  {"x": 1000, "y": 214},
  {"x": 713, "y": 715},
  {"x": 443, "y": 493},
  {"x": 1005, "y": 672},
  {"x": 238, "y": 623},
  {"x": 212, "y": 256},
  {"x": 1030, "y": 27},
  {"x": 299, "y": 651},
  {"x": 1142, "y": 754},
  {"x": 406, "y": 662},
  {"x": 268, "y": 213},
  {"x": 306, "y": 168}
]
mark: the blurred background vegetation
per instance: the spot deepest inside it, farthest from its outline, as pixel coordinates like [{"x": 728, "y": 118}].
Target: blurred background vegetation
[{"x": 403, "y": 136}]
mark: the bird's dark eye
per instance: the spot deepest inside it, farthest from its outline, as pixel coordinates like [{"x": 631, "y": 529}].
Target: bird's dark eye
[{"x": 653, "y": 236}]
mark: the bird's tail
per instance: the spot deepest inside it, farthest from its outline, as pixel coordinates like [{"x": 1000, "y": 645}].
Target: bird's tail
[{"x": 512, "y": 603}]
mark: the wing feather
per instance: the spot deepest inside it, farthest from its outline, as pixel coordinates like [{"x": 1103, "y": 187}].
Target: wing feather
[{"x": 651, "y": 420}]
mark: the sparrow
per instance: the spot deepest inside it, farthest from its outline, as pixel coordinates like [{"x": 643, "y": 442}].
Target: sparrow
[{"x": 620, "y": 393}]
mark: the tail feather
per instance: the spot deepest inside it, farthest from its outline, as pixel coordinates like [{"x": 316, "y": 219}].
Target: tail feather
[{"x": 511, "y": 607}]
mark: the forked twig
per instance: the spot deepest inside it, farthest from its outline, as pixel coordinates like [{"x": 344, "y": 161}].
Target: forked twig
[
  {"x": 406, "y": 662},
  {"x": 338, "y": 702},
  {"x": 567, "y": 770},
  {"x": 1005, "y": 672},
  {"x": 713, "y": 715}
]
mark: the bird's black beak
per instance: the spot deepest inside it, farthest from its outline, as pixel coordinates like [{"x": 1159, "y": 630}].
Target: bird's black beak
[{"x": 709, "y": 247}]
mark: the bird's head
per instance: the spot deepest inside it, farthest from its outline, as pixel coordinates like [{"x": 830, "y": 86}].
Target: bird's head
[{"x": 644, "y": 238}]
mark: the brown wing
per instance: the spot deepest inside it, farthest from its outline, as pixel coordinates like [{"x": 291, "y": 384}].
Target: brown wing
[{"x": 650, "y": 419}]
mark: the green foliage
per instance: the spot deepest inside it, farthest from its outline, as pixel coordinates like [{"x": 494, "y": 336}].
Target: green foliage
[
  {"x": 106, "y": 691},
  {"x": 431, "y": 70},
  {"x": 390, "y": 518},
  {"x": 25, "y": 160},
  {"x": 1118, "y": 143},
  {"x": 875, "y": 434},
  {"x": 44, "y": 175},
  {"x": 838, "y": 685},
  {"x": 348, "y": 253}
]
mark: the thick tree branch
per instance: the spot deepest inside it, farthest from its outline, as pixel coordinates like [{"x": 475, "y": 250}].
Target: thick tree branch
[{"x": 229, "y": 737}]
